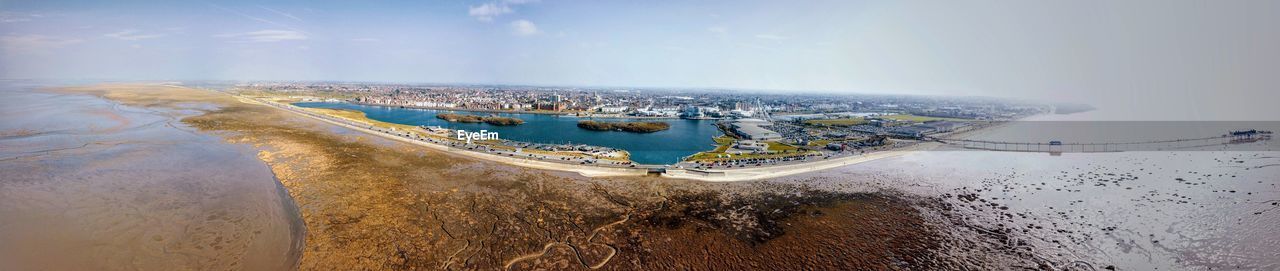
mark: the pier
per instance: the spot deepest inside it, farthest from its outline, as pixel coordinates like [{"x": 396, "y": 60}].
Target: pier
[{"x": 1057, "y": 147}]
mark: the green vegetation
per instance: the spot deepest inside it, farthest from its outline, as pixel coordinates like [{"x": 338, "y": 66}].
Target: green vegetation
[
  {"x": 836, "y": 122},
  {"x": 634, "y": 127},
  {"x": 723, "y": 140},
  {"x": 712, "y": 156},
  {"x": 775, "y": 146},
  {"x": 503, "y": 121},
  {"x": 915, "y": 118},
  {"x": 500, "y": 121}
]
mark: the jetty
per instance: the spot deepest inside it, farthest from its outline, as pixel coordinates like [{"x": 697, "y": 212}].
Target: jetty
[{"x": 1057, "y": 147}]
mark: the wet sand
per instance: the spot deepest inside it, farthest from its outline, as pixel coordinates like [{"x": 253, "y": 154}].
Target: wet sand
[
  {"x": 372, "y": 203},
  {"x": 1181, "y": 210},
  {"x": 88, "y": 184}
]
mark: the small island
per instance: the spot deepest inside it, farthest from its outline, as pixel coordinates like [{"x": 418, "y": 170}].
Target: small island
[
  {"x": 493, "y": 120},
  {"x": 634, "y": 127}
]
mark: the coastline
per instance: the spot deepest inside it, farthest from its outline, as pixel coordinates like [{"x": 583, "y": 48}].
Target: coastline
[{"x": 721, "y": 175}]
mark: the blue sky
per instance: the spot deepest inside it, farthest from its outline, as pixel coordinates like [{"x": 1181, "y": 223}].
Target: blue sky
[{"x": 1087, "y": 50}]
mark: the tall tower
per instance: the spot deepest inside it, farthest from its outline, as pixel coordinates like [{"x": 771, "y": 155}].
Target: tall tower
[{"x": 764, "y": 112}]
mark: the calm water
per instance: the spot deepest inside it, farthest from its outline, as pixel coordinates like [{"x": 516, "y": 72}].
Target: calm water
[{"x": 685, "y": 137}]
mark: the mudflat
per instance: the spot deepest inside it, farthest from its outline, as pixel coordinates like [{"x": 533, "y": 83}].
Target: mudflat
[{"x": 90, "y": 184}]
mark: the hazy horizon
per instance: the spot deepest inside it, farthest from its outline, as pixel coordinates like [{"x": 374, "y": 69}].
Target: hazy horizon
[{"x": 1159, "y": 59}]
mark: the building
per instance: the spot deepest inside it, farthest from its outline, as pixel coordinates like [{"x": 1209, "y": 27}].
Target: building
[
  {"x": 613, "y": 109},
  {"x": 550, "y": 106},
  {"x": 912, "y": 131},
  {"x": 750, "y": 129},
  {"x": 748, "y": 146},
  {"x": 695, "y": 112}
]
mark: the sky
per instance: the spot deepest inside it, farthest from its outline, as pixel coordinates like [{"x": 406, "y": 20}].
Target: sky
[{"x": 1200, "y": 56}]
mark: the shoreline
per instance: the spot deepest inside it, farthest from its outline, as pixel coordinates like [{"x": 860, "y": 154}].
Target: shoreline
[{"x": 723, "y": 175}]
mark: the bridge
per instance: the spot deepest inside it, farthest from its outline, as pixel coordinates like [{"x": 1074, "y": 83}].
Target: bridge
[{"x": 1056, "y": 147}]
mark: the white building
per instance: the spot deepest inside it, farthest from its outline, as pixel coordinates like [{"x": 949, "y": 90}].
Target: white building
[
  {"x": 613, "y": 109},
  {"x": 750, "y": 129}
]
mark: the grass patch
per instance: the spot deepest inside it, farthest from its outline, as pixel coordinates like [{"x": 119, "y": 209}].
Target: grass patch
[
  {"x": 704, "y": 156},
  {"x": 724, "y": 140},
  {"x": 775, "y": 146},
  {"x": 776, "y": 149},
  {"x": 722, "y": 144}
]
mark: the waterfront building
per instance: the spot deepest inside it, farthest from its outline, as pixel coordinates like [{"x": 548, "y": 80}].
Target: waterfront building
[
  {"x": 750, "y": 129},
  {"x": 613, "y": 109},
  {"x": 914, "y": 131}
]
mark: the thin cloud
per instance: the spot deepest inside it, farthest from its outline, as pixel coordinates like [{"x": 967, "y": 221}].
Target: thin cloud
[
  {"x": 131, "y": 34},
  {"x": 281, "y": 13},
  {"x": 265, "y": 36},
  {"x": 247, "y": 16},
  {"x": 488, "y": 11},
  {"x": 524, "y": 28},
  {"x": 34, "y": 42},
  {"x": 15, "y": 17}
]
